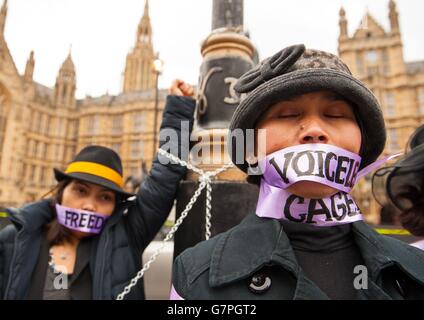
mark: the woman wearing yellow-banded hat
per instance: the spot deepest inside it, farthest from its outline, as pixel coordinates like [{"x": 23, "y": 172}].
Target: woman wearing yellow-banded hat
[{"x": 86, "y": 241}]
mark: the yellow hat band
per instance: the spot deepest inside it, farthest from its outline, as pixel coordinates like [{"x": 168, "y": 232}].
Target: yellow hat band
[{"x": 96, "y": 170}]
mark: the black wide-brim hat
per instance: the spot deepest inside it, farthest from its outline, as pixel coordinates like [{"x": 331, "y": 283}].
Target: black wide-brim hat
[
  {"x": 295, "y": 71},
  {"x": 402, "y": 183},
  {"x": 96, "y": 164}
]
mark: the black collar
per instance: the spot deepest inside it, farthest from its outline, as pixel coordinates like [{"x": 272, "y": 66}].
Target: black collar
[{"x": 309, "y": 238}]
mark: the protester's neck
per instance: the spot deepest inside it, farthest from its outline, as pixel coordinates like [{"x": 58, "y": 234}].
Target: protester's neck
[{"x": 317, "y": 238}]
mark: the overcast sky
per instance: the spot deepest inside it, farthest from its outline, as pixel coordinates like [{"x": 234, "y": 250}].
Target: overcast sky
[{"x": 102, "y": 32}]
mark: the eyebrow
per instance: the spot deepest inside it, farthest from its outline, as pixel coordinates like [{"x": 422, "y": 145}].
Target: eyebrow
[
  {"x": 82, "y": 182},
  {"x": 88, "y": 186}
]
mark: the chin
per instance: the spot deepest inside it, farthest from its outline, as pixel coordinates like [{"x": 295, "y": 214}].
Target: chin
[
  {"x": 81, "y": 235},
  {"x": 311, "y": 190}
]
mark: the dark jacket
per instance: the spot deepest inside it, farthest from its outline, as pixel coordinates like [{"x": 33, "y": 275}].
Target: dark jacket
[
  {"x": 255, "y": 260},
  {"x": 116, "y": 253}
]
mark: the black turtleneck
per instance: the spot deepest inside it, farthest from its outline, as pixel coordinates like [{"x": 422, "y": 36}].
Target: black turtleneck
[{"x": 327, "y": 255}]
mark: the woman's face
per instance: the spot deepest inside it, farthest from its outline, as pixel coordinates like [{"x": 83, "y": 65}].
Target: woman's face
[
  {"x": 89, "y": 197},
  {"x": 317, "y": 117}
]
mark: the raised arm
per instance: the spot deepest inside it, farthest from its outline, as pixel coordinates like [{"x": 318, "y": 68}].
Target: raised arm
[{"x": 157, "y": 193}]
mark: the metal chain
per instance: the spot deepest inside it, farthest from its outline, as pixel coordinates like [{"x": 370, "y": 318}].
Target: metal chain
[
  {"x": 208, "y": 214},
  {"x": 205, "y": 181}
]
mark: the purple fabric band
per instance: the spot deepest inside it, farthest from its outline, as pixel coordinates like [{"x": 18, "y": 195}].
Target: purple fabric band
[
  {"x": 322, "y": 163},
  {"x": 278, "y": 203},
  {"x": 419, "y": 244},
  {"x": 80, "y": 220},
  {"x": 317, "y": 162},
  {"x": 174, "y": 295}
]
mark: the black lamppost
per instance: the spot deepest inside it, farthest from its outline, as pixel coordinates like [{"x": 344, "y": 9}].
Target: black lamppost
[
  {"x": 227, "y": 54},
  {"x": 157, "y": 69}
]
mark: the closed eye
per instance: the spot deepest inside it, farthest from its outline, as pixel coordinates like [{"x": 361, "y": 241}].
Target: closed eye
[
  {"x": 291, "y": 115},
  {"x": 335, "y": 116}
]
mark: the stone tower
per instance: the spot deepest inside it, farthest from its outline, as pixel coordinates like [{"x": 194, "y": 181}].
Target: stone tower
[
  {"x": 29, "y": 68},
  {"x": 138, "y": 74},
  {"x": 3, "y": 14},
  {"x": 375, "y": 56},
  {"x": 343, "y": 25},
  {"x": 394, "y": 18},
  {"x": 64, "y": 93},
  {"x": 372, "y": 50}
]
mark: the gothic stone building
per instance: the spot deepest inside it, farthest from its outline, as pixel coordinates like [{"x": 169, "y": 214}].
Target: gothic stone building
[
  {"x": 42, "y": 128},
  {"x": 375, "y": 56}
]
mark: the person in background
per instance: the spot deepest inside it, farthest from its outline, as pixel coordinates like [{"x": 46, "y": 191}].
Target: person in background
[
  {"x": 402, "y": 187},
  {"x": 87, "y": 240}
]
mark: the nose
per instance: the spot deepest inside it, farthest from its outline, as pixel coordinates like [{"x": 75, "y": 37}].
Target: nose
[
  {"x": 313, "y": 132},
  {"x": 89, "y": 206}
]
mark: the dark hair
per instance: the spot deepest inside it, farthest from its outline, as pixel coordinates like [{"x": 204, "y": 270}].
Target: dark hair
[
  {"x": 254, "y": 179},
  {"x": 56, "y": 233},
  {"x": 413, "y": 219}
]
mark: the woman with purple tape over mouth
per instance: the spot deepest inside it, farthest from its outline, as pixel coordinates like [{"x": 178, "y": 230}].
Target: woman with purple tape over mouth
[
  {"x": 323, "y": 131},
  {"x": 86, "y": 241}
]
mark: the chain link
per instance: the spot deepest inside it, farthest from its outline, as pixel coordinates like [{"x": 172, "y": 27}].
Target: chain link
[
  {"x": 205, "y": 179},
  {"x": 208, "y": 214}
]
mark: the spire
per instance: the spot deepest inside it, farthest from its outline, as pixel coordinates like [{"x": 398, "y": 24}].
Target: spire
[
  {"x": 66, "y": 84},
  {"x": 29, "y": 68},
  {"x": 343, "y": 24},
  {"x": 138, "y": 73},
  {"x": 146, "y": 8},
  {"x": 68, "y": 64},
  {"x": 144, "y": 32},
  {"x": 369, "y": 27},
  {"x": 3, "y": 14},
  {"x": 394, "y": 17}
]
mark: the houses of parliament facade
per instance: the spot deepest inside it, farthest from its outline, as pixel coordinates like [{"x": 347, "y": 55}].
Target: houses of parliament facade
[{"x": 42, "y": 128}]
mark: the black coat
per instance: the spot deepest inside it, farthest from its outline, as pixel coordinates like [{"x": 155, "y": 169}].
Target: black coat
[
  {"x": 116, "y": 253},
  {"x": 256, "y": 254}
]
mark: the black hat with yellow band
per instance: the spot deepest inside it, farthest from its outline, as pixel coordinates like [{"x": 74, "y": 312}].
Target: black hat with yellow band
[{"x": 96, "y": 164}]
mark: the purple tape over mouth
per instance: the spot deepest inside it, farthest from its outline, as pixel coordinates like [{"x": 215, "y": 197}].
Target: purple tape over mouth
[
  {"x": 81, "y": 220},
  {"x": 322, "y": 163}
]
